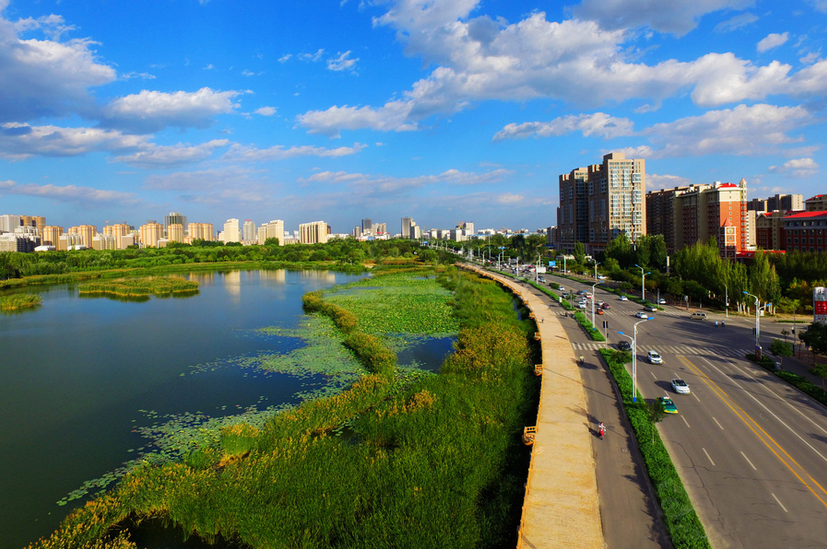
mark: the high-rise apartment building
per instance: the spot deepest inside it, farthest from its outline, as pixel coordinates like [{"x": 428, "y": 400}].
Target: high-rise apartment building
[
  {"x": 86, "y": 233},
  {"x": 818, "y": 203},
  {"x": 380, "y": 228},
  {"x": 150, "y": 234},
  {"x": 174, "y": 218},
  {"x": 367, "y": 226},
  {"x": 601, "y": 201},
  {"x": 248, "y": 232},
  {"x": 175, "y": 232},
  {"x": 231, "y": 232},
  {"x": 718, "y": 210},
  {"x": 407, "y": 223},
  {"x": 313, "y": 233},
  {"x": 273, "y": 229},
  {"x": 8, "y": 223},
  {"x": 200, "y": 231},
  {"x": 51, "y": 235},
  {"x": 118, "y": 232},
  {"x": 103, "y": 241}
]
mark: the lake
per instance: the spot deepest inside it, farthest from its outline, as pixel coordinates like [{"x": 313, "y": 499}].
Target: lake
[{"x": 84, "y": 381}]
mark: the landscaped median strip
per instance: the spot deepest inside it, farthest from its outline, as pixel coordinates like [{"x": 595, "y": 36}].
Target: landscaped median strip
[{"x": 682, "y": 522}]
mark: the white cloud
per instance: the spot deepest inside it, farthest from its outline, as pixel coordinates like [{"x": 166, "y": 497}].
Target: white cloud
[
  {"x": 743, "y": 130},
  {"x": 18, "y": 141},
  {"x": 46, "y": 77},
  {"x": 664, "y": 181},
  {"x": 676, "y": 17},
  {"x": 819, "y": 5},
  {"x": 150, "y": 111},
  {"x": 266, "y": 111},
  {"x": 797, "y": 167},
  {"x": 771, "y": 41},
  {"x": 279, "y": 152},
  {"x": 597, "y": 124},
  {"x": 342, "y": 63},
  {"x": 317, "y": 56},
  {"x": 157, "y": 156},
  {"x": 736, "y": 22},
  {"x": 70, "y": 193},
  {"x": 482, "y": 59}
]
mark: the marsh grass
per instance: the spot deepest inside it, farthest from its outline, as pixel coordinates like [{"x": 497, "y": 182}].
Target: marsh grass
[
  {"x": 160, "y": 286},
  {"x": 432, "y": 460},
  {"x": 16, "y": 302}
]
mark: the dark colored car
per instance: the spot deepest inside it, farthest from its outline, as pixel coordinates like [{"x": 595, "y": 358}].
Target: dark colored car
[{"x": 624, "y": 346}]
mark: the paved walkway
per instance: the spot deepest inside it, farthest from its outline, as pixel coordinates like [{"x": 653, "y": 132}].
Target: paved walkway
[{"x": 561, "y": 507}]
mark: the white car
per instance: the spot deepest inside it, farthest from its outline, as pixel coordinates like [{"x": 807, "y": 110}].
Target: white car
[
  {"x": 642, "y": 314},
  {"x": 581, "y": 305},
  {"x": 624, "y": 298},
  {"x": 680, "y": 386},
  {"x": 661, "y": 301},
  {"x": 654, "y": 357}
]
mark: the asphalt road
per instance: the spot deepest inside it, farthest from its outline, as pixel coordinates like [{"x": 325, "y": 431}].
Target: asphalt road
[{"x": 751, "y": 450}]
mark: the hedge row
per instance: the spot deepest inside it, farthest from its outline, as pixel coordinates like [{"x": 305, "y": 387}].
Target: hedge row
[
  {"x": 682, "y": 522},
  {"x": 593, "y": 332},
  {"x": 797, "y": 381}
]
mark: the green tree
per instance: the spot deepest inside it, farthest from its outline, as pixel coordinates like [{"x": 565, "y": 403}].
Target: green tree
[
  {"x": 579, "y": 253},
  {"x": 816, "y": 337},
  {"x": 820, "y": 370},
  {"x": 620, "y": 249}
]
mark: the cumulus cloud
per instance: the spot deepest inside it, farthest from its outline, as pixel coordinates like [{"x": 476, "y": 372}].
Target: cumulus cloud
[
  {"x": 771, "y": 41},
  {"x": 484, "y": 59},
  {"x": 597, "y": 124},
  {"x": 46, "y": 77},
  {"x": 150, "y": 111},
  {"x": 736, "y": 22},
  {"x": 743, "y": 131},
  {"x": 797, "y": 167},
  {"x": 158, "y": 156},
  {"x": 279, "y": 152},
  {"x": 386, "y": 184},
  {"x": 266, "y": 111},
  {"x": 676, "y": 17},
  {"x": 342, "y": 63},
  {"x": 19, "y": 141},
  {"x": 69, "y": 193},
  {"x": 665, "y": 181}
]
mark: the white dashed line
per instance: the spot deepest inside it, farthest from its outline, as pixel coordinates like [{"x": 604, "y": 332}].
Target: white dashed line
[
  {"x": 750, "y": 463},
  {"x": 712, "y": 462},
  {"x": 779, "y": 502}
]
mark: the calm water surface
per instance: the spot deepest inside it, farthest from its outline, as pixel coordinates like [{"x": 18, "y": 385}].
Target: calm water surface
[{"x": 75, "y": 373}]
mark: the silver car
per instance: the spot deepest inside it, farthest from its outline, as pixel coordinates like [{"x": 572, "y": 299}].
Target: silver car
[{"x": 680, "y": 386}]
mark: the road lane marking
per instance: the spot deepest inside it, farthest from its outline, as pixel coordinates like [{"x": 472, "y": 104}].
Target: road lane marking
[
  {"x": 716, "y": 422},
  {"x": 653, "y": 375},
  {"x": 696, "y": 397},
  {"x": 753, "y": 425},
  {"x": 779, "y": 502},
  {"x": 684, "y": 420},
  {"x": 749, "y": 394},
  {"x": 748, "y": 461},
  {"x": 707, "y": 457}
]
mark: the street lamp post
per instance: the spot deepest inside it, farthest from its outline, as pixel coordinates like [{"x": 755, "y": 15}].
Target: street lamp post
[
  {"x": 642, "y": 280},
  {"x": 634, "y": 356},
  {"x": 593, "y": 300},
  {"x": 726, "y": 299},
  {"x": 595, "y": 269},
  {"x": 757, "y": 325}
]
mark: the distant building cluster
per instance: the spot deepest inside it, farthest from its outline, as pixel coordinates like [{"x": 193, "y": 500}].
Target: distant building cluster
[{"x": 599, "y": 202}]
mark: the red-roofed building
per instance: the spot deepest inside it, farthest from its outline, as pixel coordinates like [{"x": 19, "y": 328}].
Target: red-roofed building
[
  {"x": 805, "y": 231},
  {"x": 818, "y": 203}
]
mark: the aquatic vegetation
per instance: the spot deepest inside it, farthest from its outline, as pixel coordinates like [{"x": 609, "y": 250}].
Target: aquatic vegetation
[
  {"x": 410, "y": 460},
  {"x": 159, "y": 286},
  {"x": 15, "y": 302}
]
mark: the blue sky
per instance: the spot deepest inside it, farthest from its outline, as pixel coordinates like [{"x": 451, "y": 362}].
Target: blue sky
[{"x": 441, "y": 110}]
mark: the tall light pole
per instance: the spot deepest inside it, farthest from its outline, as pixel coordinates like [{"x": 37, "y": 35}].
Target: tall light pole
[
  {"x": 634, "y": 356},
  {"x": 726, "y": 299},
  {"x": 757, "y": 325},
  {"x": 593, "y": 300},
  {"x": 642, "y": 280},
  {"x": 595, "y": 269}
]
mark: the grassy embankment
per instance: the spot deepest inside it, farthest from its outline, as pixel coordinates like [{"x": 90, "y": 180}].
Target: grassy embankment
[
  {"x": 682, "y": 522},
  {"x": 388, "y": 463},
  {"x": 16, "y": 302},
  {"x": 159, "y": 286}
]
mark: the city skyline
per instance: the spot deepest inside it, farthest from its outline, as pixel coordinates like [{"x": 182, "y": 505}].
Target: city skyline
[{"x": 440, "y": 110}]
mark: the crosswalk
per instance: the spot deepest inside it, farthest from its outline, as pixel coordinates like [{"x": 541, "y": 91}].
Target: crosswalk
[{"x": 717, "y": 350}]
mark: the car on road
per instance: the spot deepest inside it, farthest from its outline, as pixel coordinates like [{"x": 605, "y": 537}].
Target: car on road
[
  {"x": 581, "y": 305},
  {"x": 561, "y": 289},
  {"x": 605, "y": 306},
  {"x": 661, "y": 301},
  {"x": 650, "y": 308},
  {"x": 698, "y": 316},
  {"x": 599, "y": 312},
  {"x": 624, "y": 345},
  {"x": 642, "y": 314},
  {"x": 680, "y": 386},
  {"x": 654, "y": 357},
  {"x": 624, "y": 298},
  {"x": 667, "y": 405},
  {"x": 542, "y": 279}
]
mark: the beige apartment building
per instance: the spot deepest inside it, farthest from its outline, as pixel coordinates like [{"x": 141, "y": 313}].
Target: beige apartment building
[
  {"x": 600, "y": 201},
  {"x": 175, "y": 232},
  {"x": 51, "y": 235},
  {"x": 86, "y": 233},
  {"x": 200, "y": 231},
  {"x": 313, "y": 233},
  {"x": 273, "y": 229},
  {"x": 150, "y": 233}
]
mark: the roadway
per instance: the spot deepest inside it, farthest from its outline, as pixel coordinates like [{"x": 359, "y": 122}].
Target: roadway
[{"x": 751, "y": 450}]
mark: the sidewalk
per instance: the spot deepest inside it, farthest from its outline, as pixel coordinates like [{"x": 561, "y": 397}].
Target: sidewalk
[{"x": 561, "y": 506}]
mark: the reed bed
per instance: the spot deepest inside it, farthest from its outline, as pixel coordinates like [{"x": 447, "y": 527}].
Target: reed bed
[
  {"x": 16, "y": 302},
  {"x": 436, "y": 462},
  {"x": 140, "y": 287}
]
